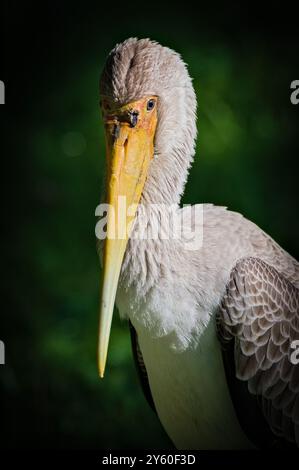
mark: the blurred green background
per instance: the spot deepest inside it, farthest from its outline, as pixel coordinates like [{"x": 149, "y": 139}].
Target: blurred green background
[{"x": 247, "y": 152}]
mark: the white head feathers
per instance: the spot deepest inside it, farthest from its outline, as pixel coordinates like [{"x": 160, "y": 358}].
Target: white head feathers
[{"x": 137, "y": 68}]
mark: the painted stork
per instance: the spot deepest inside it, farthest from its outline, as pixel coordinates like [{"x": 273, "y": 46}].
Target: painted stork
[{"x": 212, "y": 327}]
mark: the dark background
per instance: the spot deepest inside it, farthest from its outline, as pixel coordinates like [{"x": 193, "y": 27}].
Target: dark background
[{"x": 52, "y": 156}]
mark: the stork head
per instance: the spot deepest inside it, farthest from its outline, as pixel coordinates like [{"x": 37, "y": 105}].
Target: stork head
[{"x": 148, "y": 106}]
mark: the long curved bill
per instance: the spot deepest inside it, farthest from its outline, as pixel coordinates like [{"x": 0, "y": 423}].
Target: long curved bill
[{"x": 130, "y": 134}]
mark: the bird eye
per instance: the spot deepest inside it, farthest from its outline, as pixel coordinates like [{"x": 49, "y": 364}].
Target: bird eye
[{"x": 150, "y": 105}]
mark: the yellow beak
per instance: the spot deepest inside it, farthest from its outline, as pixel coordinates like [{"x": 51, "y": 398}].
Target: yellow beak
[{"x": 130, "y": 134}]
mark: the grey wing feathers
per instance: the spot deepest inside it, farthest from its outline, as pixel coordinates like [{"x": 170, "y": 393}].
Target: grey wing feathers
[
  {"x": 260, "y": 312},
  {"x": 140, "y": 366}
]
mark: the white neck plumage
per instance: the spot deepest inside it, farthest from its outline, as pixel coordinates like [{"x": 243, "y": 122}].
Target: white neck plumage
[{"x": 174, "y": 148}]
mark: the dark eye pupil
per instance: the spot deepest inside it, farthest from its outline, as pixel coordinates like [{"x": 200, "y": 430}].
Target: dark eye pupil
[{"x": 150, "y": 105}]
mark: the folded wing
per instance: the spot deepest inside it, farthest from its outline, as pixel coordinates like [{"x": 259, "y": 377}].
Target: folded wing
[{"x": 258, "y": 324}]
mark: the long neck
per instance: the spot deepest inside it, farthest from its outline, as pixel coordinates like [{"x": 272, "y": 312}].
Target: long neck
[
  {"x": 174, "y": 149},
  {"x": 167, "y": 177}
]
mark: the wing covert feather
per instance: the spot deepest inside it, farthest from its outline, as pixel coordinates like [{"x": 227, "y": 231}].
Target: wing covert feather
[{"x": 260, "y": 313}]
